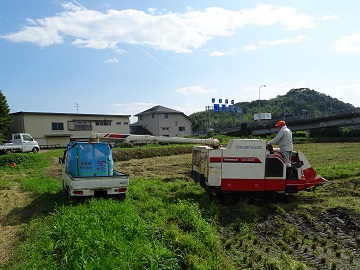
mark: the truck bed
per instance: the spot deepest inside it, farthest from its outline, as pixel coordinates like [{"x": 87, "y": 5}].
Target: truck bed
[
  {"x": 88, "y": 186},
  {"x": 10, "y": 146}
]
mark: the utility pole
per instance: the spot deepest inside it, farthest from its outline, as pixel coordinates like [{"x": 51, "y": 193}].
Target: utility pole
[
  {"x": 208, "y": 120},
  {"x": 259, "y": 102}
]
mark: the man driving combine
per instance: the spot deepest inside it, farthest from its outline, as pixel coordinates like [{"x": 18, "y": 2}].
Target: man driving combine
[{"x": 284, "y": 140}]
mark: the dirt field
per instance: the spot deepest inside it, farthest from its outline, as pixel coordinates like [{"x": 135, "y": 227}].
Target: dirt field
[{"x": 12, "y": 201}]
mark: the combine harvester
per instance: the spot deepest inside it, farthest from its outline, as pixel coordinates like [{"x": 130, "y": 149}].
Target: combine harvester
[{"x": 243, "y": 166}]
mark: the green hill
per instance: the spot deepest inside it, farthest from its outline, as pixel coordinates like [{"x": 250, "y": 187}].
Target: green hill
[{"x": 298, "y": 103}]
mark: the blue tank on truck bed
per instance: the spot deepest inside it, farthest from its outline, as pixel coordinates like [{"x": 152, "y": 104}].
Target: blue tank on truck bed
[{"x": 88, "y": 169}]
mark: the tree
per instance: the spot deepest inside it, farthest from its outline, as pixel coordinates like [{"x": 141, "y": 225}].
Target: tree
[{"x": 5, "y": 117}]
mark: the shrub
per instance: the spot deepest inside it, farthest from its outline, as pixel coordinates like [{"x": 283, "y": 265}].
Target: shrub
[{"x": 19, "y": 158}]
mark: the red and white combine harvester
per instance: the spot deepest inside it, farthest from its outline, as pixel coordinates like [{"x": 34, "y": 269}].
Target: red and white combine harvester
[{"x": 243, "y": 166}]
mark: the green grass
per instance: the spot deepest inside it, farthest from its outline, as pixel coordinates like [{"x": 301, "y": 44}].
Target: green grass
[
  {"x": 30, "y": 171},
  {"x": 116, "y": 237},
  {"x": 177, "y": 225},
  {"x": 149, "y": 230}
]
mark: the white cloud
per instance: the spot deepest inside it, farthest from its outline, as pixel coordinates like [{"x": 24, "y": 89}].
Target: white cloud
[
  {"x": 132, "y": 109},
  {"x": 195, "y": 90},
  {"x": 78, "y": 4},
  {"x": 288, "y": 17},
  {"x": 217, "y": 53},
  {"x": 251, "y": 47},
  {"x": 71, "y": 6},
  {"x": 112, "y": 60},
  {"x": 42, "y": 36},
  {"x": 349, "y": 44},
  {"x": 152, "y": 10},
  {"x": 187, "y": 108},
  {"x": 329, "y": 17},
  {"x": 264, "y": 43},
  {"x": 136, "y": 107},
  {"x": 162, "y": 30}
]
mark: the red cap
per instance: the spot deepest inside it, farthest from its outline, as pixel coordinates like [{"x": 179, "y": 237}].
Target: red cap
[{"x": 280, "y": 123}]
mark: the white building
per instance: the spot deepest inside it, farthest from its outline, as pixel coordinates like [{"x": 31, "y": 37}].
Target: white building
[
  {"x": 57, "y": 129},
  {"x": 162, "y": 121}
]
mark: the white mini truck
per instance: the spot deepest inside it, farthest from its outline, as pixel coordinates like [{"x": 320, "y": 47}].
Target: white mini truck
[
  {"x": 87, "y": 170},
  {"x": 20, "y": 142}
]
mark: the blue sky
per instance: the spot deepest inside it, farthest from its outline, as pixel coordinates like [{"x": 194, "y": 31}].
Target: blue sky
[{"x": 123, "y": 57}]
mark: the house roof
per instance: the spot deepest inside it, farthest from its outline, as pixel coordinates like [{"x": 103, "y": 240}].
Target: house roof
[
  {"x": 77, "y": 114},
  {"x": 160, "y": 109}
]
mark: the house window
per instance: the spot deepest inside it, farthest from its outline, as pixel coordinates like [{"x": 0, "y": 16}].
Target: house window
[
  {"x": 103, "y": 123},
  {"x": 164, "y": 115},
  {"x": 153, "y": 115},
  {"x": 126, "y": 123},
  {"x": 83, "y": 125},
  {"x": 57, "y": 126},
  {"x": 176, "y": 123},
  {"x": 165, "y": 128},
  {"x": 118, "y": 123},
  {"x": 181, "y": 128},
  {"x": 80, "y": 126}
]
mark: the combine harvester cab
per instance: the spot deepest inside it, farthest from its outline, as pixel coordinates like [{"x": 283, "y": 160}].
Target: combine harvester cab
[{"x": 246, "y": 166}]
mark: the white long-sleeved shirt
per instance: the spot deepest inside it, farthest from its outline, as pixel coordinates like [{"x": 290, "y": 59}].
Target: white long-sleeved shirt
[{"x": 284, "y": 139}]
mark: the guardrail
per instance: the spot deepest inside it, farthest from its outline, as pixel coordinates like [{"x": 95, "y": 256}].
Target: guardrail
[{"x": 50, "y": 146}]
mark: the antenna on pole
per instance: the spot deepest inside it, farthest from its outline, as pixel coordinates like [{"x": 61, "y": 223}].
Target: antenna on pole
[{"x": 77, "y": 107}]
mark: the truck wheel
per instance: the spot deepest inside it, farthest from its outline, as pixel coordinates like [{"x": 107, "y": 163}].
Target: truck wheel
[
  {"x": 121, "y": 196},
  {"x": 71, "y": 198},
  {"x": 35, "y": 150},
  {"x": 65, "y": 192}
]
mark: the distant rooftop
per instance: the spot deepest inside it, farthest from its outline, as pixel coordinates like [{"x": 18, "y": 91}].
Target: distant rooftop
[
  {"x": 159, "y": 109},
  {"x": 79, "y": 114}
]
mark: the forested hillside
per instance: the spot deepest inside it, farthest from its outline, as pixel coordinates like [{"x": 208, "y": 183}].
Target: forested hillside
[{"x": 297, "y": 103}]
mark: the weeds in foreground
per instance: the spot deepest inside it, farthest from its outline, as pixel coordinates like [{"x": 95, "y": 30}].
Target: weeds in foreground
[{"x": 155, "y": 233}]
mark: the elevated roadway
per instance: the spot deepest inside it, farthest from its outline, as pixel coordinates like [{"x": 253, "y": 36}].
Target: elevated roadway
[{"x": 350, "y": 119}]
